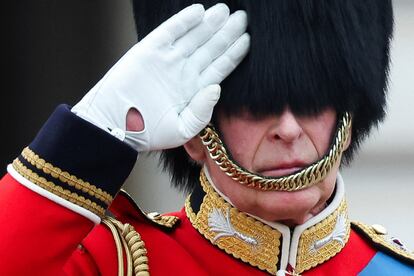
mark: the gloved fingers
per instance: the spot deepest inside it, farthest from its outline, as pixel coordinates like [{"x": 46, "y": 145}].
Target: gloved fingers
[
  {"x": 235, "y": 26},
  {"x": 226, "y": 63},
  {"x": 198, "y": 112},
  {"x": 178, "y": 25},
  {"x": 214, "y": 18}
]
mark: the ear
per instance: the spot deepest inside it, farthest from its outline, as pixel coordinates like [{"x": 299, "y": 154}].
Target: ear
[{"x": 195, "y": 149}]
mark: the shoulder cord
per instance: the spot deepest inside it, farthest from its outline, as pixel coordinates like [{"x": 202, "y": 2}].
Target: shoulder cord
[{"x": 126, "y": 238}]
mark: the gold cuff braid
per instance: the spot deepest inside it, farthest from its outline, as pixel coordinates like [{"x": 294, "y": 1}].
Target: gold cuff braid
[
  {"x": 65, "y": 177},
  {"x": 57, "y": 190},
  {"x": 293, "y": 182}
]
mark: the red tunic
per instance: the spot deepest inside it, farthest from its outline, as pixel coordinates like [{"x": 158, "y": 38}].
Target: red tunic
[
  {"x": 41, "y": 237},
  {"x": 48, "y": 239}
]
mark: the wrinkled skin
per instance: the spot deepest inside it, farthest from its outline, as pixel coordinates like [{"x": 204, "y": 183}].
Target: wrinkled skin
[{"x": 274, "y": 146}]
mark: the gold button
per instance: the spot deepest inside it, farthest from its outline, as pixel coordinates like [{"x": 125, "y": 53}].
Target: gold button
[{"x": 379, "y": 229}]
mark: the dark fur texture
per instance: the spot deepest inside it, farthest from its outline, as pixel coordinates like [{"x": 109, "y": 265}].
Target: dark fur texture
[{"x": 305, "y": 54}]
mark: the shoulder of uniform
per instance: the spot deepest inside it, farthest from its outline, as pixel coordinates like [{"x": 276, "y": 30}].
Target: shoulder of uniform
[
  {"x": 378, "y": 237},
  {"x": 127, "y": 239},
  {"x": 164, "y": 222}
]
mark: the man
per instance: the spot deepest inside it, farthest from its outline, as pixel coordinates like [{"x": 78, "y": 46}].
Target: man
[{"x": 266, "y": 193}]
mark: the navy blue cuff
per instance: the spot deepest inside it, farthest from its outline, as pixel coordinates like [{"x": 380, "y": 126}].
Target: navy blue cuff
[{"x": 77, "y": 161}]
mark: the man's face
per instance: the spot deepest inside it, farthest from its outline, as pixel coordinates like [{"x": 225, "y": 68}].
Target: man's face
[{"x": 276, "y": 146}]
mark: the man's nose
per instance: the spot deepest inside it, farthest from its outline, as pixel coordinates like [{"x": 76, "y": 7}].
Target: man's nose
[{"x": 286, "y": 127}]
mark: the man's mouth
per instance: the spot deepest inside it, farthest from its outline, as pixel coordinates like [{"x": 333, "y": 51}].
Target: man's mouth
[{"x": 282, "y": 169}]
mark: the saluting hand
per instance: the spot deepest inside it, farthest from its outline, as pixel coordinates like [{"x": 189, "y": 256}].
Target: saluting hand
[{"x": 171, "y": 77}]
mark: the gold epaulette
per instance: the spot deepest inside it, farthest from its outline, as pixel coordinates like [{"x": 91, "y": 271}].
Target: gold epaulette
[
  {"x": 165, "y": 222},
  {"x": 377, "y": 236}
]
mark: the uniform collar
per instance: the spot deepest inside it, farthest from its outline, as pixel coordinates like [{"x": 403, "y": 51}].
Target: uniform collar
[{"x": 269, "y": 246}]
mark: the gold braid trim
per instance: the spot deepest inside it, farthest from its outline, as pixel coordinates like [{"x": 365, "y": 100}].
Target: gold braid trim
[
  {"x": 317, "y": 244},
  {"x": 126, "y": 238},
  {"x": 57, "y": 190},
  {"x": 118, "y": 245},
  {"x": 296, "y": 181},
  {"x": 264, "y": 254},
  {"x": 163, "y": 220},
  {"x": 65, "y": 177},
  {"x": 380, "y": 239},
  {"x": 306, "y": 258}
]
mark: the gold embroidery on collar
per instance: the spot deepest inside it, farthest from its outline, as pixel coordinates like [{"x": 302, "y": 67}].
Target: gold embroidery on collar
[
  {"x": 324, "y": 240},
  {"x": 65, "y": 177},
  {"x": 57, "y": 190},
  {"x": 258, "y": 244},
  {"x": 253, "y": 242}
]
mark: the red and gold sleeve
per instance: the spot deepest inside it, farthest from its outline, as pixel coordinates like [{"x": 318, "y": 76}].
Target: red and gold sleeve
[{"x": 56, "y": 190}]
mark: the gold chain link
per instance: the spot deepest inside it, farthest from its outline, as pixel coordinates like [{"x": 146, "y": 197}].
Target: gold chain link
[{"x": 293, "y": 182}]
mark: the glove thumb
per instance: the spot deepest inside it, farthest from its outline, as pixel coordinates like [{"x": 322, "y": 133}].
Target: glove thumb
[{"x": 198, "y": 112}]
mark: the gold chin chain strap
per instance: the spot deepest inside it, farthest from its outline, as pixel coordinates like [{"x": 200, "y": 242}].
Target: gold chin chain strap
[
  {"x": 126, "y": 238},
  {"x": 293, "y": 182}
]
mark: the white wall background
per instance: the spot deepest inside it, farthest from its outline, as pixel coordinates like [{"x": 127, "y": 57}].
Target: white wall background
[{"x": 380, "y": 183}]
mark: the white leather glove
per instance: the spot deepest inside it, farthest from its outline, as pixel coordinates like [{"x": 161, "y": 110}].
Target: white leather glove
[{"x": 171, "y": 77}]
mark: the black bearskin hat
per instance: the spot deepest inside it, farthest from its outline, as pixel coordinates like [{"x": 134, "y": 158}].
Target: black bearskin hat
[{"x": 305, "y": 54}]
